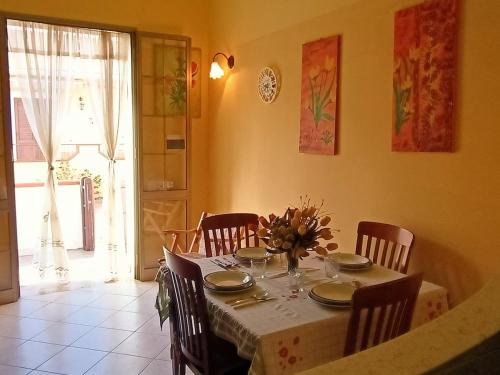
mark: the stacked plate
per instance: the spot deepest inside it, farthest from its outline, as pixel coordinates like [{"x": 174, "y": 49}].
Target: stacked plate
[
  {"x": 351, "y": 262},
  {"x": 248, "y": 253},
  {"x": 228, "y": 281},
  {"x": 333, "y": 295}
]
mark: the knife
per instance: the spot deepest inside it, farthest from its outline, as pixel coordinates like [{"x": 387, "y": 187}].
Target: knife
[
  {"x": 254, "y": 302},
  {"x": 217, "y": 263}
]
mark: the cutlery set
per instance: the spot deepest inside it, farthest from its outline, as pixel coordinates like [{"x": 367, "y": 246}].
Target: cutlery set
[
  {"x": 224, "y": 263},
  {"x": 249, "y": 301}
]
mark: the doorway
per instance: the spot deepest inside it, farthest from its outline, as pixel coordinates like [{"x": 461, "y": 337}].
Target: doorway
[{"x": 72, "y": 129}]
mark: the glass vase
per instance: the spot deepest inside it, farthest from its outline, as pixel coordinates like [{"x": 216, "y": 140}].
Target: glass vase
[
  {"x": 295, "y": 276},
  {"x": 293, "y": 263}
]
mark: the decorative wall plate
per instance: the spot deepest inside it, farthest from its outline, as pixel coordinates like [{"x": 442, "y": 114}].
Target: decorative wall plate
[{"x": 268, "y": 84}]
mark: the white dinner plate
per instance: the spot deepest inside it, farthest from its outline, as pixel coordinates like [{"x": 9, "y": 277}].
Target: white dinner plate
[
  {"x": 252, "y": 253},
  {"x": 228, "y": 291},
  {"x": 334, "y": 293},
  {"x": 329, "y": 304},
  {"x": 349, "y": 260},
  {"x": 228, "y": 280}
]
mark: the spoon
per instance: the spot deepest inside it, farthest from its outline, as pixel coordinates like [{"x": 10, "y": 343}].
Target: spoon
[{"x": 257, "y": 296}]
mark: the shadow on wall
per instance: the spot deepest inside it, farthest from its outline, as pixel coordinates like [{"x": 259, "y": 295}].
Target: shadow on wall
[{"x": 445, "y": 267}]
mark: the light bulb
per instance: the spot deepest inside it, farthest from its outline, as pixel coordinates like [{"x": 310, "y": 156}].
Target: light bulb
[{"x": 216, "y": 71}]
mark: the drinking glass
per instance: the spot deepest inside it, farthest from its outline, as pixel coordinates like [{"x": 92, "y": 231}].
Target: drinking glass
[
  {"x": 258, "y": 267},
  {"x": 332, "y": 267},
  {"x": 296, "y": 280}
]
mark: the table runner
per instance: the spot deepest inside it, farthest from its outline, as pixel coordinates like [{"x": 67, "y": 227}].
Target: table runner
[{"x": 294, "y": 333}]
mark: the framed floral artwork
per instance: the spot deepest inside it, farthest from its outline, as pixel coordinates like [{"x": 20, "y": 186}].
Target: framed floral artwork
[
  {"x": 424, "y": 77},
  {"x": 319, "y": 86},
  {"x": 170, "y": 80}
]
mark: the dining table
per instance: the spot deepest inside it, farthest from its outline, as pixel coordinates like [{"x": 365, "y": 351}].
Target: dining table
[{"x": 292, "y": 332}]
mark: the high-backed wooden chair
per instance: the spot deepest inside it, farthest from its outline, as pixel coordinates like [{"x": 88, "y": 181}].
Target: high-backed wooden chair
[
  {"x": 225, "y": 233},
  {"x": 386, "y": 244},
  {"x": 199, "y": 348},
  {"x": 381, "y": 312},
  {"x": 178, "y": 245}
]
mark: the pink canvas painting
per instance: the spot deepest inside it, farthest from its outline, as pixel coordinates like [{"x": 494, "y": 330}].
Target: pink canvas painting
[
  {"x": 318, "y": 113},
  {"x": 424, "y": 77}
]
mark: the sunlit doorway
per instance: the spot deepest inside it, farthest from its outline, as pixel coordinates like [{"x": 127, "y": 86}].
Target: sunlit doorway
[{"x": 93, "y": 149}]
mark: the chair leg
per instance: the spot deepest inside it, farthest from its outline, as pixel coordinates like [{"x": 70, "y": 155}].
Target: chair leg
[
  {"x": 182, "y": 368},
  {"x": 178, "y": 366}
]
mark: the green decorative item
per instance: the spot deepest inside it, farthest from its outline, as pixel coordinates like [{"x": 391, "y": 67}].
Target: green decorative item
[{"x": 170, "y": 81}]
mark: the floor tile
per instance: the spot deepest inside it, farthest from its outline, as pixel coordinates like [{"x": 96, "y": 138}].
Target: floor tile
[
  {"x": 54, "y": 312},
  {"x": 165, "y": 354},
  {"x": 157, "y": 367},
  {"x": 133, "y": 289},
  {"x": 37, "y": 372},
  {"x": 143, "y": 345},
  {"x": 9, "y": 370},
  {"x": 31, "y": 354},
  {"x": 62, "y": 333},
  {"x": 115, "y": 363},
  {"x": 74, "y": 361},
  {"x": 8, "y": 342},
  {"x": 153, "y": 326},
  {"x": 23, "y": 307},
  {"x": 111, "y": 301},
  {"x": 125, "y": 320},
  {"x": 89, "y": 316},
  {"x": 142, "y": 304},
  {"x": 78, "y": 298},
  {"x": 22, "y": 328},
  {"x": 104, "y": 339},
  {"x": 36, "y": 295}
]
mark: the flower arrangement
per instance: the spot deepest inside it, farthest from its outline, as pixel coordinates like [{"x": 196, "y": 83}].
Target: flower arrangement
[{"x": 298, "y": 231}]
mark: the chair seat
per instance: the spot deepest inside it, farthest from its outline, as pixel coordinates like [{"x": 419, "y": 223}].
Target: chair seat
[{"x": 225, "y": 358}]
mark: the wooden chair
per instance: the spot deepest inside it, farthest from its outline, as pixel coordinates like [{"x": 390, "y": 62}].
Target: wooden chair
[
  {"x": 198, "y": 347},
  {"x": 392, "y": 246},
  {"x": 177, "y": 245},
  {"x": 225, "y": 233},
  {"x": 383, "y": 312}
]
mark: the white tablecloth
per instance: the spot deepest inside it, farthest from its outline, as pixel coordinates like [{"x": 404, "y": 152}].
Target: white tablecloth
[{"x": 294, "y": 333}]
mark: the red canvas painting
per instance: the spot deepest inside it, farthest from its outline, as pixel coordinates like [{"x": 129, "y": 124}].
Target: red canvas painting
[
  {"x": 424, "y": 77},
  {"x": 318, "y": 114}
]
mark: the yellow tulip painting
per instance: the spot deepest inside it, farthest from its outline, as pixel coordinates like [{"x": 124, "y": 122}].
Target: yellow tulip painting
[{"x": 319, "y": 96}]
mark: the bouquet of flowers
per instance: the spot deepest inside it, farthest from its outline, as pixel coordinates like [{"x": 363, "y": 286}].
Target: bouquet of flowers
[{"x": 298, "y": 231}]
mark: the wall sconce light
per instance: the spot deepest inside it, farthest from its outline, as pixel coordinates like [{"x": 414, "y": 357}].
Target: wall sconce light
[{"x": 215, "y": 70}]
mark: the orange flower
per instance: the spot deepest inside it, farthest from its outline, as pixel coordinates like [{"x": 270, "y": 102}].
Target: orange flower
[
  {"x": 314, "y": 72},
  {"x": 325, "y": 220}
]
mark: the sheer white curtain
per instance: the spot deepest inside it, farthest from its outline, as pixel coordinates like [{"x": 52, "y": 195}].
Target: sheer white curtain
[
  {"x": 108, "y": 77},
  {"x": 41, "y": 54}
]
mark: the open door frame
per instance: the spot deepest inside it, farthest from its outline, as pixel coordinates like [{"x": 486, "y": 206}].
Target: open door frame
[
  {"x": 9, "y": 270},
  {"x": 9, "y": 261}
]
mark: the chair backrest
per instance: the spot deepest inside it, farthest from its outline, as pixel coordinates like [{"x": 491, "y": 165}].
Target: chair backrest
[
  {"x": 190, "y": 310},
  {"x": 386, "y": 244},
  {"x": 383, "y": 312},
  {"x": 193, "y": 247},
  {"x": 225, "y": 233}
]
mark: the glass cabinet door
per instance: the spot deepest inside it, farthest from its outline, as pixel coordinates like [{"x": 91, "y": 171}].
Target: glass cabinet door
[{"x": 163, "y": 121}]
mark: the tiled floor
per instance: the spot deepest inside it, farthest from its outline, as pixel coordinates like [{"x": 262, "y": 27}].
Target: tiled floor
[{"x": 84, "y": 328}]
